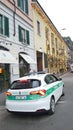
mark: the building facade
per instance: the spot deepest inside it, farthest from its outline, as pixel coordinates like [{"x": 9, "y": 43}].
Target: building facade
[
  {"x": 39, "y": 37},
  {"x": 16, "y": 38},
  {"x": 69, "y": 44},
  {"x": 51, "y": 51},
  {"x": 28, "y": 39}
]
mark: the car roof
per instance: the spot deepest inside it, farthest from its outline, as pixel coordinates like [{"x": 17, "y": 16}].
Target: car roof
[{"x": 39, "y": 76}]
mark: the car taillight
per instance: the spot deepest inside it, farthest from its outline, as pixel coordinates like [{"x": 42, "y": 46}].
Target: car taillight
[
  {"x": 40, "y": 92},
  {"x": 8, "y": 94}
]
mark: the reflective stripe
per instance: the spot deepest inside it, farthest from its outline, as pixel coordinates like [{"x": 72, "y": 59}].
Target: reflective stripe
[{"x": 36, "y": 96}]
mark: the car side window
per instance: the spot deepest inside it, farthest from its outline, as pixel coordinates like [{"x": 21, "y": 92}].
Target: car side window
[
  {"x": 54, "y": 78},
  {"x": 47, "y": 79},
  {"x": 50, "y": 79}
]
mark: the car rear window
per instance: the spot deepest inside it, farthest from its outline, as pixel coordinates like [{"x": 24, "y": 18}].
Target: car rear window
[{"x": 25, "y": 84}]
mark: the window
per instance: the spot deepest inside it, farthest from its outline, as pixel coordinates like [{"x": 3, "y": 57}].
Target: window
[
  {"x": 25, "y": 84},
  {"x": 4, "y": 25},
  {"x": 50, "y": 79},
  {"x": 35, "y": 83},
  {"x": 47, "y": 33},
  {"x": 53, "y": 50},
  {"x": 56, "y": 42},
  {"x": 23, "y": 35},
  {"x": 52, "y": 39},
  {"x": 38, "y": 27},
  {"x": 23, "y": 4}
]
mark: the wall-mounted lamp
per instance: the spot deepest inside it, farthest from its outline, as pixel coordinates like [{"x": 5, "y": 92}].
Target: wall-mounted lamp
[{"x": 40, "y": 50}]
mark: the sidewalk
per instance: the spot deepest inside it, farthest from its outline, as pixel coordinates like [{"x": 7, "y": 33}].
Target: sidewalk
[
  {"x": 2, "y": 98},
  {"x": 63, "y": 74}
]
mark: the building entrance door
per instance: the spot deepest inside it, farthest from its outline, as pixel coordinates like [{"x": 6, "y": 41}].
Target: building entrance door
[{"x": 39, "y": 61}]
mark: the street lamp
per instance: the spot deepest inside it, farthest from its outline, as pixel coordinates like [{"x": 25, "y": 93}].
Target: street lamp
[{"x": 63, "y": 29}]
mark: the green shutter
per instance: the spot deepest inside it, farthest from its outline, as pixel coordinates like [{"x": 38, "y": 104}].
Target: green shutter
[
  {"x": 6, "y": 26},
  {"x": 26, "y": 6},
  {"x": 27, "y": 37},
  {"x": 20, "y": 36},
  {"x": 1, "y": 24},
  {"x": 21, "y": 4}
]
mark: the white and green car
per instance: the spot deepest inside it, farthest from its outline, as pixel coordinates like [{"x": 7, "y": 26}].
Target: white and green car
[{"x": 34, "y": 93}]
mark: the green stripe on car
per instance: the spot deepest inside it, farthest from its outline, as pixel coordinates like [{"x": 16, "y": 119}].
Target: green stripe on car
[{"x": 36, "y": 96}]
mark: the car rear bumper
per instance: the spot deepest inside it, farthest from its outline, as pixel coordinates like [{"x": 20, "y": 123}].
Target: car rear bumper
[{"x": 27, "y": 106}]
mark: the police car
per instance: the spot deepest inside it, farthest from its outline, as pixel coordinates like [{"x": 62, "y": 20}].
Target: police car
[{"x": 34, "y": 93}]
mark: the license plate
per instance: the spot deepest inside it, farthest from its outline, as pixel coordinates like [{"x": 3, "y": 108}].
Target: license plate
[{"x": 20, "y": 97}]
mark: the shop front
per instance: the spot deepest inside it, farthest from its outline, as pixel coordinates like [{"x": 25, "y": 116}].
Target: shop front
[
  {"x": 25, "y": 62},
  {"x": 6, "y": 59},
  {"x": 4, "y": 76}
]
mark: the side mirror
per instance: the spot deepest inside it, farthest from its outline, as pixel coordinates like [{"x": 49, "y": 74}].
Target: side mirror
[{"x": 60, "y": 79}]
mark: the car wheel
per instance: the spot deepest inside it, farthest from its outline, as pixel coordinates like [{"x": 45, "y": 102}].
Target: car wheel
[
  {"x": 52, "y": 106},
  {"x": 63, "y": 91}
]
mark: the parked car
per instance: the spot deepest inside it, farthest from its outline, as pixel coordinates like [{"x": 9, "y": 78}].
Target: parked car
[{"x": 34, "y": 93}]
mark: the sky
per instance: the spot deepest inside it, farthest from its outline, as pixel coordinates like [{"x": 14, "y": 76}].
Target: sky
[{"x": 61, "y": 14}]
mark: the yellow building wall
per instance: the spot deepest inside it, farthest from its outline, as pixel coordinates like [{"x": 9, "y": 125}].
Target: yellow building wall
[
  {"x": 39, "y": 39},
  {"x": 40, "y": 42}
]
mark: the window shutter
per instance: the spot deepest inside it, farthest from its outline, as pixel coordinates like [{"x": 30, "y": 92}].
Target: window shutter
[
  {"x": 27, "y": 37},
  {"x": 26, "y": 6},
  {"x": 21, "y": 4},
  {"x": 45, "y": 60},
  {"x": 20, "y": 37},
  {"x": 6, "y": 26},
  {"x": 1, "y": 24}
]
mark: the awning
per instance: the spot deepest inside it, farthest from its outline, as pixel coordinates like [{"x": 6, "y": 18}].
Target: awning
[
  {"x": 28, "y": 59},
  {"x": 6, "y": 57}
]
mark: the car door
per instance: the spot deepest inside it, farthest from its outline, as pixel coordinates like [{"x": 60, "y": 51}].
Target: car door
[{"x": 53, "y": 86}]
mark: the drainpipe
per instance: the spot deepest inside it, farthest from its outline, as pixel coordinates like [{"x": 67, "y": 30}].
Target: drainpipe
[{"x": 14, "y": 12}]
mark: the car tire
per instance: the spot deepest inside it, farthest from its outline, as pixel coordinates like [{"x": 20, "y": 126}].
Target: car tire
[
  {"x": 63, "y": 91},
  {"x": 52, "y": 106}
]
